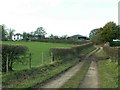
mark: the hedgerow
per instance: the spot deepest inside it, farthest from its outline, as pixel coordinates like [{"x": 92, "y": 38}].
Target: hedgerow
[
  {"x": 67, "y": 53},
  {"x": 68, "y": 41},
  {"x": 112, "y": 52},
  {"x": 12, "y": 53}
]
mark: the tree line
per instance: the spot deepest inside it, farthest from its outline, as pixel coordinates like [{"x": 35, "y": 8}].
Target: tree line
[
  {"x": 107, "y": 33},
  {"x": 8, "y": 34}
]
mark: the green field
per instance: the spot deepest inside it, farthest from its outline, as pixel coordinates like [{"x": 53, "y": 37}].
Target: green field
[{"x": 40, "y": 53}]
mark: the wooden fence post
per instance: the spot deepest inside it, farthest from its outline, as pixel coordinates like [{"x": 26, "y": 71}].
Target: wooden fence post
[
  {"x": 30, "y": 60},
  {"x": 52, "y": 57},
  {"x": 118, "y": 55},
  {"x": 7, "y": 64},
  {"x": 42, "y": 58}
]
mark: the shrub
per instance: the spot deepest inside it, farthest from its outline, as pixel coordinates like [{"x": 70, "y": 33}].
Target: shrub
[{"x": 13, "y": 53}]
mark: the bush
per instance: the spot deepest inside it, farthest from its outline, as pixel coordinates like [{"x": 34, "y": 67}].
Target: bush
[
  {"x": 67, "y": 53},
  {"x": 13, "y": 53}
]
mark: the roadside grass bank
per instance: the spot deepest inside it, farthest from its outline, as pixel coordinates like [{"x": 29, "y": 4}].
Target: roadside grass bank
[
  {"x": 118, "y": 76},
  {"x": 31, "y": 77},
  {"x": 108, "y": 71}
]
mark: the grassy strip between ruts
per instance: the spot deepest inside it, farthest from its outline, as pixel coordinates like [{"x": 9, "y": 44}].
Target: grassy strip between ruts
[
  {"x": 108, "y": 71},
  {"x": 76, "y": 80}
]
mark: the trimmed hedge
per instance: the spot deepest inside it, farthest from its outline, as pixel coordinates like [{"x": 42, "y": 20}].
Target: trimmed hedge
[
  {"x": 68, "y": 41},
  {"x": 112, "y": 52},
  {"x": 67, "y": 53},
  {"x": 12, "y": 52}
]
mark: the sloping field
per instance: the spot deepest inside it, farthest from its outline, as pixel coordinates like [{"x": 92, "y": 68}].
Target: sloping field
[{"x": 39, "y": 51}]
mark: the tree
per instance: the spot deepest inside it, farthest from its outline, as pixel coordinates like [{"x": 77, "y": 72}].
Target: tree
[
  {"x": 118, "y": 32},
  {"x": 95, "y": 35},
  {"x": 40, "y": 32},
  {"x": 109, "y": 32},
  {"x": 64, "y": 37},
  {"x": 4, "y": 32},
  {"x": 11, "y": 54},
  {"x": 56, "y": 37},
  {"x": 10, "y": 33},
  {"x": 25, "y": 36},
  {"x": 51, "y": 36}
]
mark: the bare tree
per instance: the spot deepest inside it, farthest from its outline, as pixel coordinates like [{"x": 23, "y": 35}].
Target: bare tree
[{"x": 10, "y": 33}]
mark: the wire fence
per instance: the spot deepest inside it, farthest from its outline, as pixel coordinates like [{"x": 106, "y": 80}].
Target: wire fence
[{"x": 33, "y": 60}]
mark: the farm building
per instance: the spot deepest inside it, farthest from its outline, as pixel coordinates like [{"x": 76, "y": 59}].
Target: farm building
[
  {"x": 79, "y": 37},
  {"x": 17, "y": 37}
]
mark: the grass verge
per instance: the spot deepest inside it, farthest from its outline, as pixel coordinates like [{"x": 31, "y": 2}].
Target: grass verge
[
  {"x": 118, "y": 76},
  {"x": 30, "y": 78},
  {"x": 108, "y": 71}
]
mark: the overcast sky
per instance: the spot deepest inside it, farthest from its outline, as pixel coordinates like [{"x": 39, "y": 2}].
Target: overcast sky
[{"x": 58, "y": 17}]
